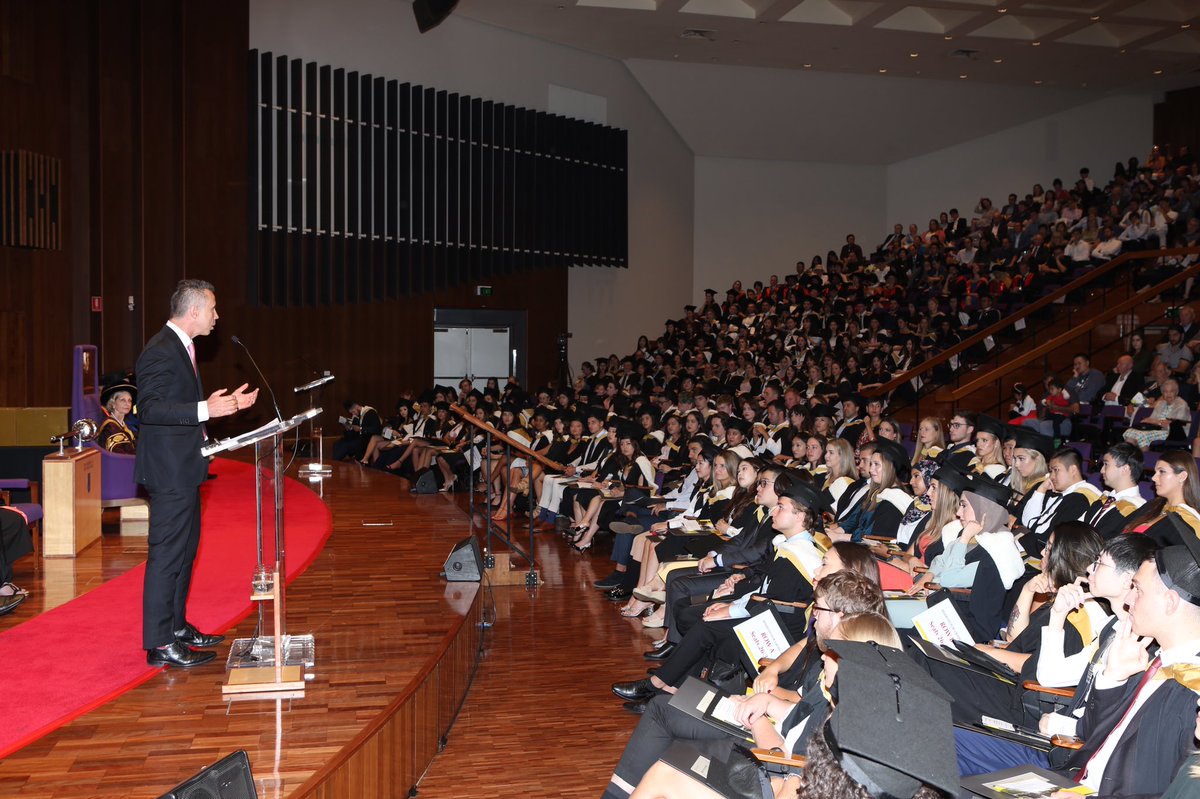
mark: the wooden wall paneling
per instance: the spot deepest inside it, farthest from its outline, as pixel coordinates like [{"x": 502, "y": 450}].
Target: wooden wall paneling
[
  {"x": 463, "y": 212},
  {"x": 119, "y": 136},
  {"x": 392, "y": 136},
  {"x": 340, "y": 184},
  {"x": 324, "y": 229},
  {"x": 295, "y": 226},
  {"x": 475, "y": 236},
  {"x": 266, "y": 179},
  {"x": 367, "y": 193},
  {"x": 255, "y": 273},
  {"x": 453, "y": 276},
  {"x": 312, "y": 152}
]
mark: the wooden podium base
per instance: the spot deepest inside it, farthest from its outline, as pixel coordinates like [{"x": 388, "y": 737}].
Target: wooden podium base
[
  {"x": 260, "y": 683},
  {"x": 504, "y": 573}
]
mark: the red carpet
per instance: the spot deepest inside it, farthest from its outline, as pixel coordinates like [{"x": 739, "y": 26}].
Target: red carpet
[{"x": 80, "y": 655}]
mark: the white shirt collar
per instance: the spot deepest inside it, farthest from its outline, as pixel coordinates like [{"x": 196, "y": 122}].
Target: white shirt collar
[{"x": 184, "y": 338}]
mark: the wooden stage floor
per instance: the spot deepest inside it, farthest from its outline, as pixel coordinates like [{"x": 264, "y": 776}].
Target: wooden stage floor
[{"x": 394, "y": 646}]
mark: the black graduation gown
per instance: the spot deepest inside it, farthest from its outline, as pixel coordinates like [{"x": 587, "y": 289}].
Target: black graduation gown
[
  {"x": 1164, "y": 531},
  {"x": 15, "y": 541}
]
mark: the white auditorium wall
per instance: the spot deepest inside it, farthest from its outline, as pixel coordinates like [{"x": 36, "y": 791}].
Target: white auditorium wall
[
  {"x": 756, "y": 217},
  {"x": 380, "y": 37},
  {"x": 1095, "y": 135}
]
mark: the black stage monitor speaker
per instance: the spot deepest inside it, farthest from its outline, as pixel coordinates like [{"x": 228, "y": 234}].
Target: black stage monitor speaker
[
  {"x": 431, "y": 13},
  {"x": 228, "y": 778},
  {"x": 465, "y": 564}
]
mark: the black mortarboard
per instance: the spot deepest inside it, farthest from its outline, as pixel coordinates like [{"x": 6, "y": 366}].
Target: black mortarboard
[
  {"x": 989, "y": 424},
  {"x": 628, "y": 429},
  {"x": 952, "y": 479},
  {"x": 793, "y": 486},
  {"x": 858, "y": 399},
  {"x": 689, "y": 308},
  {"x": 113, "y": 388},
  {"x": 894, "y": 452},
  {"x": 737, "y": 423},
  {"x": 891, "y": 730},
  {"x": 989, "y": 489},
  {"x": 711, "y": 291},
  {"x": 1177, "y": 565},
  {"x": 598, "y": 413},
  {"x": 1030, "y": 439}
]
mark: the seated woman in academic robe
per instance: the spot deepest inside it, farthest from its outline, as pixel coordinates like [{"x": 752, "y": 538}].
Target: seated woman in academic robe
[
  {"x": 984, "y": 558},
  {"x": 941, "y": 528},
  {"x": 876, "y": 504},
  {"x": 597, "y": 500},
  {"x": 115, "y": 434},
  {"x": 1069, "y": 555},
  {"x": 1177, "y": 506}
]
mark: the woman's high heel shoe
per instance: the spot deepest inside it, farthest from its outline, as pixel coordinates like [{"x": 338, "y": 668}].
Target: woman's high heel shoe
[{"x": 581, "y": 547}]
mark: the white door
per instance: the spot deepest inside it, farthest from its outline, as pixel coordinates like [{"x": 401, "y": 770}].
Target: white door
[{"x": 473, "y": 352}]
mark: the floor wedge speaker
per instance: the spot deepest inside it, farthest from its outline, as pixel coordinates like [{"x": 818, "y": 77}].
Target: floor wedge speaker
[
  {"x": 228, "y": 778},
  {"x": 465, "y": 564}
]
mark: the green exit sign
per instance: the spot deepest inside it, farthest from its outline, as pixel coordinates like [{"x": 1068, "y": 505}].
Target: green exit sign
[{"x": 483, "y": 291}]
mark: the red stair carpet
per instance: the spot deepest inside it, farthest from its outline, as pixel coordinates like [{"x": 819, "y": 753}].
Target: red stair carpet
[{"x": 80, "y": 655}]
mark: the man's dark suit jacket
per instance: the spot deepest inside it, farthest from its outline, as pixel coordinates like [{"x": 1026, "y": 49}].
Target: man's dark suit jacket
[
  {"x": 1133, "y": 384},
  {"x": 1157, "y": 740},
  {"x": 170, "y": 437}
]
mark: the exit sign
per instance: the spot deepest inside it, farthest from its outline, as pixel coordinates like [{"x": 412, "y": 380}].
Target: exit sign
[{"x": 483, "y": 291}]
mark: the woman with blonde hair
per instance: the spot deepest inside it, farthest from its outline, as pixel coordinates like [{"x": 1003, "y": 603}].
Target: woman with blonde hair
[
  {"x": 931, "y": 439},
  {"x": 877, "y": 504},
  {"x": 840, "y": 470}
]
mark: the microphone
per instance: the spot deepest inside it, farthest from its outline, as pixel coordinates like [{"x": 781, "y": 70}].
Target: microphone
[{"x": 238, "y": 341}]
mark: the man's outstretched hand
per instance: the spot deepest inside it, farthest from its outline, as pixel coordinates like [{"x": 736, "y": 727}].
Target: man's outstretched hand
[
  {"x": 245, "y": 398},
  {"x": 222, "y": 403}
]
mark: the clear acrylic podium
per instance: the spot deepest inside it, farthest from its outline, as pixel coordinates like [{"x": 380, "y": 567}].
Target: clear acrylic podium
[{"x": 268, "y": 666}]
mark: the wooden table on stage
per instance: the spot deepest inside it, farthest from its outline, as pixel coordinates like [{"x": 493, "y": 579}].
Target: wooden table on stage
[{"x": 70, "y": 502}]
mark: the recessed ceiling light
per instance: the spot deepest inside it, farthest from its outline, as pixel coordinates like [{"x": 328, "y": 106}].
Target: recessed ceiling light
[
  {"x": 1095, "y": 17},
  {"x": 962, "y": 77},
  {"x": 913, "y": 55},
  {"x": 1037, "y": 83},
  {"x": 808, "y": 66},
  {"x": 1036, "y": 44},
  {"x": 1002, "y": 10},
  {"x": 883, "y": 70},
  {"x": 1186, "y": 25},
  {"x": 947, "y": 37},
  {"x": 1122, "y": 51},
  {"x": 1158, "y": 72},
  {"x": 997, "y": 60}
]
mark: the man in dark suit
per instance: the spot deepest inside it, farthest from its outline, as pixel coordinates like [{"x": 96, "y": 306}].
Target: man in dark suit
[
  {"x": 1122, "y": 384},
  {"x": 172, "y": 409}
]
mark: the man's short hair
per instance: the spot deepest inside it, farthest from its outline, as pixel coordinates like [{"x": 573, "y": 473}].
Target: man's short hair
[
  {"x": 1126, "y": 454},
  {"x": 967, "y": 416},
  {"x": 188, "y": 294},
  {"x": 1068, "y": 457},
  {"x": 1129, "y": 552},
  {"x": 1087, "y": 358},
  {"x": 850, "y": 592}
]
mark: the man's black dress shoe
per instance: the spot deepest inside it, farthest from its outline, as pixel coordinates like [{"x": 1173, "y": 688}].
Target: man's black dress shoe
[
  {"x": 636, "y": 691},
  {"x": 611, "y": 581},
  {"x": 621, "y": 592},
  {"x": 190, "y": 636},
  {"x": 662, "y": 653},
  {"x": 636, "y": 708},
  {"x": 177, "y": 654}
]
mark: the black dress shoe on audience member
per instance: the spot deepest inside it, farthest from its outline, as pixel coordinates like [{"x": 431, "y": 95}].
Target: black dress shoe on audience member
[
  {"x": 636, "y": 708},
  {"x": 177, "y": 654},
  {"x": 636, "y": 691},
  {"x": 611, "y": 581},
  {"x": 662, "y": 653},
  {"x": 190, "y": 636},
  {"x": 621, "y": 592}
]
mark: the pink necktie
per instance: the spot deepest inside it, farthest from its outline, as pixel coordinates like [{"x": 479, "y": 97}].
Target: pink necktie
[{"x": 192, "y": 354}]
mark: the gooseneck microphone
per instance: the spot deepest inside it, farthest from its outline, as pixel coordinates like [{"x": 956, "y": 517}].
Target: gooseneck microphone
[{"x": 238, "y": 341}]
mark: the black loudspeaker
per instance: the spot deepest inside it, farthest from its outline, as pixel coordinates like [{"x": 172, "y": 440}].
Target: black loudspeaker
[
  {"x": 228, "y": 778},
  {"x": 465, "y": 563},
  {"x": 427, "y": 482},
  {"x": 431, "y": 13}
]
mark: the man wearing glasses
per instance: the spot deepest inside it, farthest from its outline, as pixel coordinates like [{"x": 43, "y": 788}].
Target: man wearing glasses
[{"x": 960, "y": 451}]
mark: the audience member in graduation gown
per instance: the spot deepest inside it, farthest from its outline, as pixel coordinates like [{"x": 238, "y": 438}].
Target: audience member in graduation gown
[
  {"x": 876, "y": 504},
  {"x": 789, "y": 578},
  {"x": 930, "y": 439},
  {"x": 1120, "y": 469},
  {"x": 840, "y": 471},
  {"x": 363, "y": 423},
  {"x": 1065, "y": 496},
  {"x": 1177, "y": 506},
  {"x": 791, "y": 692},
  {"x": 984, "y": 558},
  {"x": 859, "y": 752},
  {"x": 960, "y": 451},
  {"x": 989, "y": 451},
  {"x": 15, "y": 542},
  {"x": 942, "y": 528},
  {"x": 1139, "y": 723},
  {"x": 1031, "y": 450},
  {"x": 1069, "y": 555}
]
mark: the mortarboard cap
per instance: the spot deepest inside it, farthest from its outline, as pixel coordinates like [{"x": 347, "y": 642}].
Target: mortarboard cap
[
  {"x": 990, "y": 490},
  {"x": 1179, "y": 566},
  {"x": 891, "y": 730},
  {"x": 822, "y": 410},
  {"x": 989, "y": 424},
  {"x": 895, "y": 452},
  {"x": 952, "y": 479},
  {"x": 792, "y": 485},
  {"x": 1030, "y": 439}
]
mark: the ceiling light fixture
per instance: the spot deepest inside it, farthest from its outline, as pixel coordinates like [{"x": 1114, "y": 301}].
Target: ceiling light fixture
[
  {"x": 883, "y": 70},
  {"x": 1037, "y": 82},
  {"x": 997, "y": 60},
  {"x": 1036, "y": 43},
  {"x": 913, "y": 55},
  {"x": 962, "y": 77},
  {"x": 947, "y": 37},
  {"x": 1186, "y": 25},
  {"x": 808, "y": 66},
  {"x": 1001, "y": 10},
  {"x": 1158, "y": 72},
  {"x": 1095, "y": 17}
]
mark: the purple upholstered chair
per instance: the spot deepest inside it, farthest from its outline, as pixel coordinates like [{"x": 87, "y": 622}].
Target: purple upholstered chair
[
  {"x": 31, "y": 509},
  {"x": 117, "y": 484}
]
